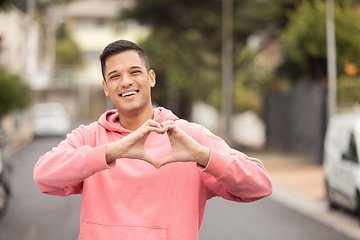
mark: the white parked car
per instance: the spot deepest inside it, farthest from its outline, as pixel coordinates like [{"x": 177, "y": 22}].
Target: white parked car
[
  {"x": 341, "y": 161},
  {"x": 50, "y": 119}
]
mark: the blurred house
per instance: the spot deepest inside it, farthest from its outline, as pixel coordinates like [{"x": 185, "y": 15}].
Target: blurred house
[
  {"x": 27, "y": 48},
  {"x": 92, "y": 25},
  {"x": 20, "y": 41},
  {"x": 17, "y": 32}
]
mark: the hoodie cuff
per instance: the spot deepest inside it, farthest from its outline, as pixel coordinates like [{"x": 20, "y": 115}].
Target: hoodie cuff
[
  {"x": 96, "y": 161},
  {"x": 217, "y": 164}
]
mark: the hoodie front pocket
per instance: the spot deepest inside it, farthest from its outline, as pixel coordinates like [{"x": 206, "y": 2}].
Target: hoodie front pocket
[{"x": 93, "y": 231}]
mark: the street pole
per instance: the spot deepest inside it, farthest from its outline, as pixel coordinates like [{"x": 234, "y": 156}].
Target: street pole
[
  {"x": 227, "y": 69},
  {"x": 31, "y": 47},
  {"x": 331, "y": 59}
]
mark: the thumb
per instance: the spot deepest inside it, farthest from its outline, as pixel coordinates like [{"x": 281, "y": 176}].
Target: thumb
[
  {"x": 150, "y": 159},
  {"x": 165, "y": 161}
]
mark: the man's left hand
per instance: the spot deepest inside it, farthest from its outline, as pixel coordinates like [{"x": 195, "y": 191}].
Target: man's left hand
[{"x": 183, "y": 147}]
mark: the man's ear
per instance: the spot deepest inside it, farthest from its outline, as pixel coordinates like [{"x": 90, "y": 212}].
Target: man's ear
[
  {"x": 106, "y": 90},
  {"x": 152, "y": 78}
]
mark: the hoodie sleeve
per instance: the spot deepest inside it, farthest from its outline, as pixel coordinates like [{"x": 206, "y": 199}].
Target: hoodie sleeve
[
  {"x": 62, "y": 170},
  {"x": 232, "y": 174}
]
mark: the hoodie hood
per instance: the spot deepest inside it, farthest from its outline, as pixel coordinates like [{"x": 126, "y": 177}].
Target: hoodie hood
[{"x": 109, "y": 119}]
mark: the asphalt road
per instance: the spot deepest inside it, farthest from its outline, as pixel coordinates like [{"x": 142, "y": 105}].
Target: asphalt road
[
  {"x": 35, "y": 216},
  {"x": 264, "y": 219}
]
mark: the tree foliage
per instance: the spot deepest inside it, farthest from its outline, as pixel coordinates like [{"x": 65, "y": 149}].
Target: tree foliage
[
  {"x": 348, "y": 91},
  {"x": 4, "y": 4},
  {"x": 14, "y": 93},
  {"x": 184, "y": 46},
  {"x": 67, "y": 50},
  {"x": 181, "y": 48},
  {"x": 305, "y": 36}
]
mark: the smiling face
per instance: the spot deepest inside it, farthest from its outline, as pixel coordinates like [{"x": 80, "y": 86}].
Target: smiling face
[{"x": 128, "y": 83}]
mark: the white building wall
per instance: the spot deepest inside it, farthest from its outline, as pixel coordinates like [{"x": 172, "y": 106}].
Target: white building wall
[
  {"x": 13, "y": 45},
  {"x": 15, "y": 52},
  {"x": 19, "y": 51},
  {"x": 93, "y": 26}
]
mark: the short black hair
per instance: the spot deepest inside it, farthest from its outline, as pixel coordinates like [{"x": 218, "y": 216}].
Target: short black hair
[{"x": 118, "y": 47}]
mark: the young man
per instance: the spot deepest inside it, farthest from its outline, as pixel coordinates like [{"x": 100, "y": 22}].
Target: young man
[{"x": 144, "y": 173}]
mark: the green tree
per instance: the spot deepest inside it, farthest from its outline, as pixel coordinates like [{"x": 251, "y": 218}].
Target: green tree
[
  {"x": 305, "y": 36},
  {"x": 305, "y": 44},
  {"x": 185, "y": 45},
  {"x": 14, "y": 93},
  {"x": 348, "y": 91},
  {"x": 67, "y": 50},
  {"x": 181, "y": 45},
  {"x": 4, "y": 4}
]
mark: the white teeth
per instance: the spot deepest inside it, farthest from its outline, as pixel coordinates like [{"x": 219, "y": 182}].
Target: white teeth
[{"x": 128, "y": 94}]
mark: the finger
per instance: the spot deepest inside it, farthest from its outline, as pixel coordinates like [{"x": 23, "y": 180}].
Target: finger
[
  {"x": 153, "y": 123},
  {"x": 155, "y": 129},
  {"x": 151, "y": 126},
  {"x": 167, "y": 123},
  {"x": 150, "y": 123},
  {"x": 168, "y": 127},
  {"x": 164, "y": 161}
]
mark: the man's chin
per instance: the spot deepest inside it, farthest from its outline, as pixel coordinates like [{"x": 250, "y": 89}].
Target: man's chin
[{"x": 131, "y": 111}]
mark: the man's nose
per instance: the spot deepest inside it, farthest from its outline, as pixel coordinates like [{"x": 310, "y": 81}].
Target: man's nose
[{"x": 126, "y": 81}]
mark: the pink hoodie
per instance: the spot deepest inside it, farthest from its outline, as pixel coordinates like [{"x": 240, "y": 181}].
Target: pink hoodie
[{"x": 130, "y": 199}]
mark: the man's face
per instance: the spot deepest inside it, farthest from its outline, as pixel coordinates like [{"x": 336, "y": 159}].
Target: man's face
[{"x": 128, "y": 83}]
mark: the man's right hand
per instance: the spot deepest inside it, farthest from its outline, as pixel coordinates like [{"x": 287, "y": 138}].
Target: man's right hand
[{"x": 132, "y": 145}]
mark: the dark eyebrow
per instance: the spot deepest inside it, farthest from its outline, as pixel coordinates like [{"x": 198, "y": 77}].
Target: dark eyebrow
[
  {"x": 112, "y": 72},
  {"x": 132, "y": 67},
  {"x": 135, "y": 67}
]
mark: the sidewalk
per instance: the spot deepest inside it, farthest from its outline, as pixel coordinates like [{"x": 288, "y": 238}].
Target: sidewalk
[
  {"x": 299, "y": 184},
  {"x": 295, "y": 173}
]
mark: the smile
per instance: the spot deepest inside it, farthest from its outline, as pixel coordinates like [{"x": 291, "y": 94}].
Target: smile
[{"x": 127, "y": 94}]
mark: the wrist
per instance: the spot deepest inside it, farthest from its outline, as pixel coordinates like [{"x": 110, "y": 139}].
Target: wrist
[
  {"x": 204, "y": 156},
  {"x": 110, "y": 152}
]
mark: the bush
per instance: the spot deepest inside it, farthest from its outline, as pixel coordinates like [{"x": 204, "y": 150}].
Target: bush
[
  {"x": 14, "y": 93},
  {"x": 348, "y": 90}
]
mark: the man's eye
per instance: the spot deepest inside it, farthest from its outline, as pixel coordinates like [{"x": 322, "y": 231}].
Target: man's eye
[
  {"x": 114, "y": 76},
  {"x": 136, "y": 72}
]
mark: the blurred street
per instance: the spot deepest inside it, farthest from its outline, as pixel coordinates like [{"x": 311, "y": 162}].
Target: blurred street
[
  {"x": 32, "y": 215},
  {"x": 292, "y": 212},
  {"x": 297, "y": 209},
  {"x": 259, "y": 74}
]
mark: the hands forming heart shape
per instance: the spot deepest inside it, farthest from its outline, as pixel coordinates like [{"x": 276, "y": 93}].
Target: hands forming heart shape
[{"x": 183, "y": 147}]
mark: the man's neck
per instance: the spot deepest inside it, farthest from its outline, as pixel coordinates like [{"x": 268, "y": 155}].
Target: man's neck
[{"x": 133, "y": 121}]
